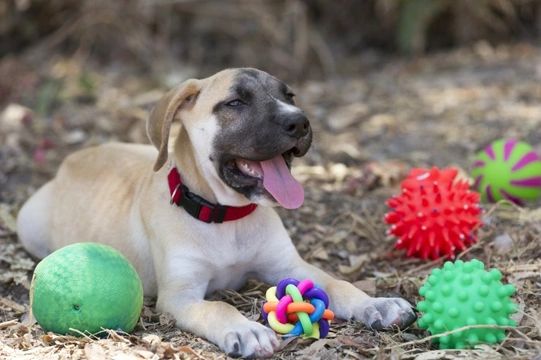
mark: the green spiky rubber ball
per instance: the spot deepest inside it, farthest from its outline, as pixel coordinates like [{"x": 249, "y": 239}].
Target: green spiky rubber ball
[
  {"x": 87, "y": 287},
  {"x": 464, "y": 294}
]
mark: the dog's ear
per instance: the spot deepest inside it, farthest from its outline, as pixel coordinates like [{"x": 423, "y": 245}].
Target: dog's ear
[{"x": 162, "y": 115}]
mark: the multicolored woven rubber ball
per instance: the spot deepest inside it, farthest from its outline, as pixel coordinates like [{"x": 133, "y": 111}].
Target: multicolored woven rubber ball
[
  {"x": 295, "y": 308},
  {"x": 508, "y": 169},
  {"x": 435, "y": 215}
]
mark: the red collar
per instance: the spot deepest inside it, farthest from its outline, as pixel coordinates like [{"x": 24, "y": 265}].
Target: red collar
[{"x": 200, "y": 208}]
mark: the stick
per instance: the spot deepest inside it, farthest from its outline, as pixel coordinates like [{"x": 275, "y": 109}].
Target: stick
[{"x": 9, "y": 323}]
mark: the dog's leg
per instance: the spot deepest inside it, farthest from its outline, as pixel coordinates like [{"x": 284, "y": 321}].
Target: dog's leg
[
  {"x": 346, "y": 301},
  {"x": 34, "y": 222},
  {"x": 222, "y": 324},
  {"x": 216, "y": 321}
]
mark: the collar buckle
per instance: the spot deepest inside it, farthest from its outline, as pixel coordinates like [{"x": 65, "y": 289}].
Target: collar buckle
[{"x": 194, "y": 204}]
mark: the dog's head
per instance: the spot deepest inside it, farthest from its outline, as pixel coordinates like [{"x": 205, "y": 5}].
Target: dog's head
[{"x": 244, "y": 123}]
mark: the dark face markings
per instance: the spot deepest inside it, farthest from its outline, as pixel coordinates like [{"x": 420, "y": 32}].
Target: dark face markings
[{"x": 253, "y": 130}]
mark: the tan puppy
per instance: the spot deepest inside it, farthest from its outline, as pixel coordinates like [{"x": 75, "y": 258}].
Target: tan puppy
[{"x": 240, "y": 131}]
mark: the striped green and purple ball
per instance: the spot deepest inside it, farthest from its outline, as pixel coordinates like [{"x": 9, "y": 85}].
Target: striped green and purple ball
[{"x": 508, "y": 169}]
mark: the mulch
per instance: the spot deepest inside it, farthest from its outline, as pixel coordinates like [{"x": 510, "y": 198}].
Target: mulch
[{"x": 370, "y": 130}]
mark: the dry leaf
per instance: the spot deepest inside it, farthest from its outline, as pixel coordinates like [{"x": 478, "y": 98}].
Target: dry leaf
[
  {"x": 315, "y": 347},
  {"x": 7, "y": 221},
  {"x": 356, "y": 262},
  {"x": 368, "y": 286},
  {"x": 13, "y": 117},
  {"x": 348, "y": 341},
  {"x": 320, "y": 254},
  {"x": 517, "y": 317},
  {"x": 346, "y": 116},
  {"x": 167, "y": 319},
  {"x": 94, "y": 351},
  {"x": 169, "y": 352},
  {"x": 503, "y": 243},
  {"x": 145, "y": 354}
]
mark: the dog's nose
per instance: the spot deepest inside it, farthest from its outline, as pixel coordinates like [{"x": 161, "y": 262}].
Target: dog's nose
[{"x": 296, "y": 126}]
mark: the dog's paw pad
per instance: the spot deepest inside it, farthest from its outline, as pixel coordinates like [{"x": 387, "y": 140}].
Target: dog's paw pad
[
  {"x": 382, "y": 313},
  {"x": 250, "y": 340}
]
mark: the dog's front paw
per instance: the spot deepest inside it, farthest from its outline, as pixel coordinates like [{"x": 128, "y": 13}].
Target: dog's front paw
[
  {"x": 381, "y": 313},
  {"x": 250, "y": 340}
]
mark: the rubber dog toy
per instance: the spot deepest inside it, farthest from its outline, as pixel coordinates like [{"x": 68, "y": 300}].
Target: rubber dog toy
[
  {"x": 507, "y": 169},
  {"x": 465, "y": 294},
  {"x": 87, "y": 287},
  {"x": 295, "y": 308},
  {"x": 435, "y": 215}
]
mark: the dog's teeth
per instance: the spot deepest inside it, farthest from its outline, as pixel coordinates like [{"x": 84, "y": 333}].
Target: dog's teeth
[
  {"x": 250, "y": 170},
  {"x": 247, "y": 169}
]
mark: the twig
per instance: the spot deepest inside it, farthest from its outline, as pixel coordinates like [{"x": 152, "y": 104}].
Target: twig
[
  {"x": 423, "y": 266},
  {"x": 367, "y": 225},
  {"x": 114, "y": 335},
  {"x": 13, "y": 305},
  {"x": 8, "y": 323},
  {"x": 526, "y": 341},
  {"x": 501, "y": 203},
  {"x": 82, "y": 334},
  {"x": 428, "y": 338},
  {"x": 524, "y": 267},
  {"x": 189, "y": 350}
]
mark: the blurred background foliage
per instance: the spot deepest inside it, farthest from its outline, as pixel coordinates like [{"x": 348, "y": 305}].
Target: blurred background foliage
[{"x": 293, "y": 39}]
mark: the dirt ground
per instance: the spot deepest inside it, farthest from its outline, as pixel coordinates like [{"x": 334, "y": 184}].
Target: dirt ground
[{"x": 370, "y": 129}]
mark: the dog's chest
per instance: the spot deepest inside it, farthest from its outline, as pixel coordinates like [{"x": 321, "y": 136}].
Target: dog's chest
[
  {"x": 233, "y": 256},
  {"x": 231, "y": 277},
  {"x": 231, "y": 269}
]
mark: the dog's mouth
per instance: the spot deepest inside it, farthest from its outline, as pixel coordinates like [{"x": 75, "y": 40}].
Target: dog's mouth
[{"x": 272, "y": 175}]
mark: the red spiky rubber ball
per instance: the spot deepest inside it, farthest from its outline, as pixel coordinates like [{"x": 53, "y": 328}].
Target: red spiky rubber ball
[{"x": 435, "y": 215}]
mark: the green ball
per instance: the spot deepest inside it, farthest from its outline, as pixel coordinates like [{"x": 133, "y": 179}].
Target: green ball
[
  {"x": 87, "y": 287},
  {"x": 464, "y": 294},
  {"x": 507, "y": 169}
]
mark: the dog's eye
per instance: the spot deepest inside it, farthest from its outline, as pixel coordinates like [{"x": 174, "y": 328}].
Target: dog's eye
[
  {"x": 290, "y": 96},
  {"x": 235, "y": 102}
]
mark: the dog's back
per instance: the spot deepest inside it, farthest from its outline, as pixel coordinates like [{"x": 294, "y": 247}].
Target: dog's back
[{"x": 83, "y": 178}]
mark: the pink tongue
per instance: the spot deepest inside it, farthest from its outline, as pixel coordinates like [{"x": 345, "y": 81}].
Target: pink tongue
[{"x": 281, "y": 184}]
